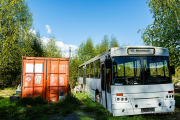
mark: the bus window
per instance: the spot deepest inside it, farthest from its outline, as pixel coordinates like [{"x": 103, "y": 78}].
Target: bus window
[
  {"x": 87, "y": 71},
  {"x": 137, "y": 67},
  {"x": 158, "y": 69},
  {"x": 81, "y": 71},
  {"x": 97, "y": 69},
  {"x": 120, "y": 71},
  {"x": 166, "y": 69},
  {"x": 129, "y": 69},
  {"x": 92, "y": 70},
  {"x": 153, "y": 71}
]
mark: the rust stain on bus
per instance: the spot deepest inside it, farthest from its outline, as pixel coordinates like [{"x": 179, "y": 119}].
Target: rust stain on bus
[{"x": 45, "y": 77}]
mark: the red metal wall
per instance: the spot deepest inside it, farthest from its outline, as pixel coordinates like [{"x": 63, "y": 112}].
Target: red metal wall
[{"x": 45, "y": 77}]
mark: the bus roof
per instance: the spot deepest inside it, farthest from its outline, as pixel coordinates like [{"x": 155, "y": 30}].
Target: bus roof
[{"x": 132, "y": 51}]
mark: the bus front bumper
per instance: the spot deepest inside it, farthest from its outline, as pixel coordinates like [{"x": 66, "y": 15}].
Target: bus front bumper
[{"x": 120, "y": 110}]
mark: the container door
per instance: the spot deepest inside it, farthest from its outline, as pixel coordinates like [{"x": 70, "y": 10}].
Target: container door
[
  {"x": 33, "y": 78},
  {"x": 57, "y": 85}
]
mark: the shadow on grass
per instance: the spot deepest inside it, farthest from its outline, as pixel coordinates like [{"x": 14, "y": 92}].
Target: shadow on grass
[{"x": 37, "y": 108}]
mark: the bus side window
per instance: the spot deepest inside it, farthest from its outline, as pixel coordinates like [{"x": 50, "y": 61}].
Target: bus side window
[
  {"x": 97, "y": 69},
  {"x": 92, "y": 70},
  {"x": 87, "y": 71},
  {"x": 81, "y": 72}
]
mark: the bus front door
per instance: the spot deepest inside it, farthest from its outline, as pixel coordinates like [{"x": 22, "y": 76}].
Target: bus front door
[{"x": 103, "y": 85}]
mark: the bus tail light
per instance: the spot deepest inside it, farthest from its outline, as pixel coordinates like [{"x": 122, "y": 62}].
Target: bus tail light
[
  {"x": 170, "y": 91},
  {"x": 119, "y": 94}
]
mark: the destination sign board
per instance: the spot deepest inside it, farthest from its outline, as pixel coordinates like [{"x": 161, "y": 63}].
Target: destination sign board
[{"x": 135, "y": 51}]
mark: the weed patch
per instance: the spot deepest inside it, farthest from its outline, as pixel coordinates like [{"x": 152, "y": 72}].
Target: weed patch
[
  {"x": 177, "y": 99},
  {"x": 23, "y": 102}
]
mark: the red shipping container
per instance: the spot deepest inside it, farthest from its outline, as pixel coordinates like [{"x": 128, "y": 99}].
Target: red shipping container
[{"x": 45, "y": 77}]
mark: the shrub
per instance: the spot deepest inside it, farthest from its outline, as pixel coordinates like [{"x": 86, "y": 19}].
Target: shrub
[{"x": 31, "y": 101}]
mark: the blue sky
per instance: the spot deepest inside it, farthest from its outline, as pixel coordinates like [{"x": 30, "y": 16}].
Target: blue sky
[{"x": 73, "y": 21}]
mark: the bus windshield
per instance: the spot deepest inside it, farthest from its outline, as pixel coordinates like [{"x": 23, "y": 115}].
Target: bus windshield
[{"x": 140, "y": 70}]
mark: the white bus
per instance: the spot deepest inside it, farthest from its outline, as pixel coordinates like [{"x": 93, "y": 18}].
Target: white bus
[{"x": 130, "y": 80}]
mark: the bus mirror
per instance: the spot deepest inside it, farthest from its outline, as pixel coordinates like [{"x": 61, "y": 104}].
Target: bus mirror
[{"x": 172, "y": 70}]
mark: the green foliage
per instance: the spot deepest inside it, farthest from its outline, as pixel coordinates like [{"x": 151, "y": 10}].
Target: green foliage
[
  {"x": 104, "y": 44},
  {"x": 97, "y": 49},
  {"x": 51, "y": 50},
  {"x": 81, "y": 96},
  {"x": 114, "y": 42},
  {"x": 15, "y": 23},
  {"x": 37, "y": 45},
  {"x": 86, "y": 50},
  {"x": 73, "y": 70},
  {"x": 31, "y": 101},
  {"x": 165, "y": 29}
]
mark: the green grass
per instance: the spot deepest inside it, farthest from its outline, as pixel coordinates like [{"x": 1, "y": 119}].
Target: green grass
[
  {"x": 37, "y": 110},
  {"x": 102, "y": 114}
]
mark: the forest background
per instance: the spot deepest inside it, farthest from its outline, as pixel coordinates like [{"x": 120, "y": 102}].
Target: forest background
[{"x": 17, "y": 39}]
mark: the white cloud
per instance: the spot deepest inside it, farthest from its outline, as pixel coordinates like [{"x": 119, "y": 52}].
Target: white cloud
[
  {"x": 64, "y": 47},
  {"x": 66, "y": 54},
  {"x": 32, "y": 31},
  {"x": 48, "y": 29},
  {"x": 45, "y": 40}
]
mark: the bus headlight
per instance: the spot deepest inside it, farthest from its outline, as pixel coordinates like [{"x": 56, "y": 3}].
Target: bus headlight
[
  {"x": 169, "y": 97},
  {"x": 121, "y": 99}
]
